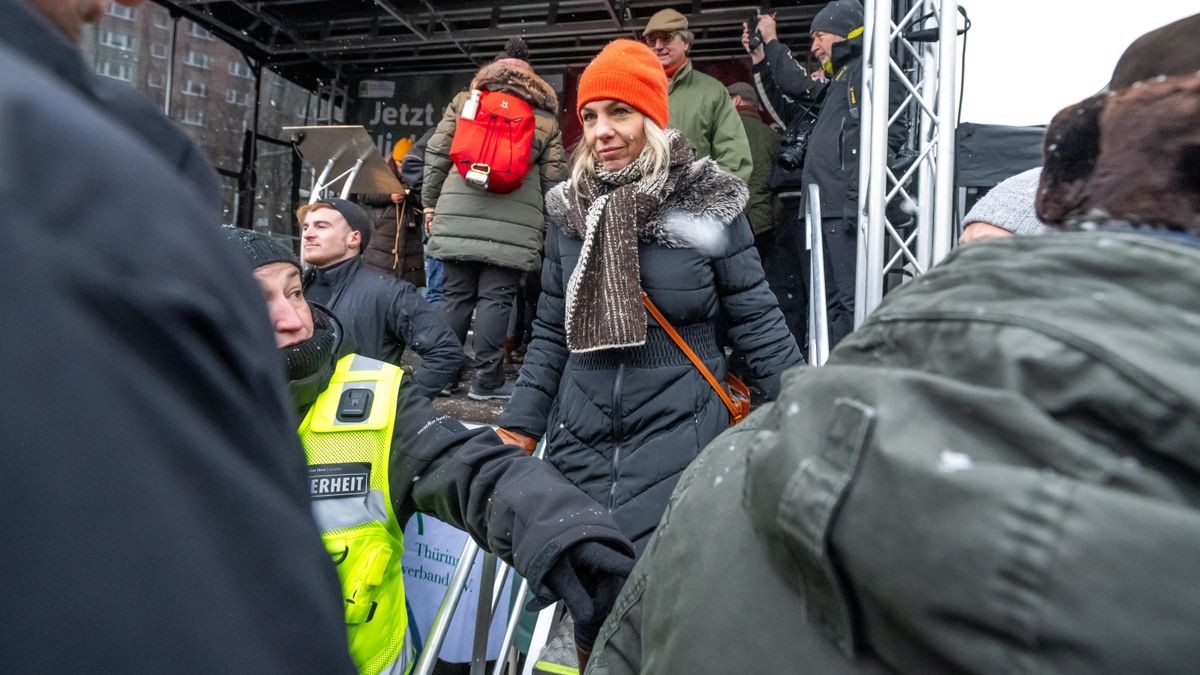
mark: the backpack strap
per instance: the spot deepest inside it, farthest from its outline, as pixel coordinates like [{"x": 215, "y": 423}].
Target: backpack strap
[{"x": 687, "y": 351}]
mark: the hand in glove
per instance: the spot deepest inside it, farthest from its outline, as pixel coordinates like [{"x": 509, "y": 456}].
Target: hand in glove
[{"x": 588, "y": 577}]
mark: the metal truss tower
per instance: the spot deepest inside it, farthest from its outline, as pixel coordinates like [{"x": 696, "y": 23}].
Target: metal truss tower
[{"x": 925, "y": 70}]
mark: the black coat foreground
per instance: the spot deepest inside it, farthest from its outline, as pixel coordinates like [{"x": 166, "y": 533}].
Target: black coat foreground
[
  {"x": 623, "y": 423},
  {"x": 382, "y": 315},
  {"x": 155, "y": 517}
]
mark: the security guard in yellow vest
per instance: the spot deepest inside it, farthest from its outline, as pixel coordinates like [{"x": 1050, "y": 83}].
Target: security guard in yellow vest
[{"x": 376, "y": 455}]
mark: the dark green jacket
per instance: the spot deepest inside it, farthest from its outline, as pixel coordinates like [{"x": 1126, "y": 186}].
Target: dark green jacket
[
  {"x": 489, "y": 227},
  {"x": 702, "y": 110},
  {"x": 997, "y": 473},
  {"x": 764, "y": 146}
]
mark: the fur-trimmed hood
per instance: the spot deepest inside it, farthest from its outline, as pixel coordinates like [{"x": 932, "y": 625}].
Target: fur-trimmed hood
[
  {"x": 1130, "y": 155},
  {"x": 693, "y": 216},
  {"x": 503, "y": 75}
]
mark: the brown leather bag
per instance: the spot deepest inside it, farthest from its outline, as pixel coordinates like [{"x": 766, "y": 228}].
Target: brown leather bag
[{"x": 735, "y": 394}]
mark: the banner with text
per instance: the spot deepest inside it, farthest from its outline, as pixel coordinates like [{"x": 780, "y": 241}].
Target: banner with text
[{"x": 404, "y": 107}]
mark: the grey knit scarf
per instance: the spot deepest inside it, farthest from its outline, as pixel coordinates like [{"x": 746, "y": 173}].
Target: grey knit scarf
[{"x": 612, "y": 211}]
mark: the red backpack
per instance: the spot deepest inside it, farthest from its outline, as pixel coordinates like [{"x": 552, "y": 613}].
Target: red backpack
[{"x": 493, "y": 142}]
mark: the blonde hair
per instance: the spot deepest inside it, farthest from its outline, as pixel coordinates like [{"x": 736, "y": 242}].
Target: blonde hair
[{"x": 658, "y": 145}]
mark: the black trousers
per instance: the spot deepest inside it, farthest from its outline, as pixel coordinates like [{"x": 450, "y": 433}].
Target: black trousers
[
  {"x": 488, "y": 291},
  {"x": 841, "y": 262},
  {"x": 787, "y": 275}
]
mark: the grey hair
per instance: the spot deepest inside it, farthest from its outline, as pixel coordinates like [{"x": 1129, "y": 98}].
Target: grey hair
[
  {"x": 658, "y": 145},
  {"x": 688, "y": 36}
]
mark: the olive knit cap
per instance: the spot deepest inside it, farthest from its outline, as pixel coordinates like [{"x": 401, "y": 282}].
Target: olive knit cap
[
  {"x": 626, "y": 71},
  {"x": 665, "y": 21}
]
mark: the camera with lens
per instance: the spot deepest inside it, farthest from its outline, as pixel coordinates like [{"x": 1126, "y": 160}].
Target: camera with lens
[
  {"x": 789, "y": 163},
  {"x": 792, "y": 147},
  {"x": 795, "y": 139}
]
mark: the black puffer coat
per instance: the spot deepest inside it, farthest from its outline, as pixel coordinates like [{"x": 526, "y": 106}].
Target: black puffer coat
[
  {"x": 623, "y": 423},
  {"x": 382, "y": 315}
]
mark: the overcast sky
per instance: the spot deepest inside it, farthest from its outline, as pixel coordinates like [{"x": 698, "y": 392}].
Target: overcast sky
[{"x": 1027, "y": 59}]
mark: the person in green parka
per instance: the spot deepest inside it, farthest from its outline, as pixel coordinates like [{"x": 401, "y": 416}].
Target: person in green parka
[
  {"x": 700, "y": 106},
  {"x": 487, "y": 240}
]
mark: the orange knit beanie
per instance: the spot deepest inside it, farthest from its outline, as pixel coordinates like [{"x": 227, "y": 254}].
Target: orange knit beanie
[{"x": 626, "y": 71}]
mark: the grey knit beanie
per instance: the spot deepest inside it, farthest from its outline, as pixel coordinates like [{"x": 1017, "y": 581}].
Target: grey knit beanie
[
  {"x": 1010, "y": 205},
  {"x": 839, "y": 17},
  {"x": 260, "y": 249}
]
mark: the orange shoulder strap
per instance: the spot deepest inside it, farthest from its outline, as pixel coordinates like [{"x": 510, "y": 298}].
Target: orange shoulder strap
[{"x": 687, "y": 351}]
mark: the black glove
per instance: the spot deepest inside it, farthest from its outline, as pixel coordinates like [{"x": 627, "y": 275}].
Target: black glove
[{"x": 588, "y": 577}]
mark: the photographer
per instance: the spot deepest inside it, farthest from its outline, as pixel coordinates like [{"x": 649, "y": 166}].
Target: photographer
[{"x": 822, "y": 112}]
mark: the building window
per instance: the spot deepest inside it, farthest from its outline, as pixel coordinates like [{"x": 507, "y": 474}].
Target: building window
[
  {"x": 194, "y": 118},
  {"x": 158, "y": 50},
  {"x": 198, "y": 59},
  {"x": 194, "y": 88},
  {"x": 121, "y": 12},
  {"x": 162, "y": 19},
  {"x": 117, "y": 40},
  {"x": 240, "y": 69},
  {"x": 115, "y": 70},
  {"x": 245, "y": 99},
  {"x": 156, "y": 80},
  {"x": 199, "y": 31}
]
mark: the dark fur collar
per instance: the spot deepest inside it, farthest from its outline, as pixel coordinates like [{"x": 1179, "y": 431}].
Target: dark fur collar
[
  {"x": 500, "y": 76},
  {"x": 1129, "y": 155},
  {"x": 694, "y": 216}
]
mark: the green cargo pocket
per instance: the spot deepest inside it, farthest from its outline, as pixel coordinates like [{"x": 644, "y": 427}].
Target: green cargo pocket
[{"x": 793, "y": 499}]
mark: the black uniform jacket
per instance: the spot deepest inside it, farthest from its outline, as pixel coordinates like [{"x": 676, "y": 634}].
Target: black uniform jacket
[{"x": 381, "y": 315}]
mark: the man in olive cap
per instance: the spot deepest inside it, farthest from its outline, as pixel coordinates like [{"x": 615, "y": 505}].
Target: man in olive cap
[{"x": 700, "y": 106}]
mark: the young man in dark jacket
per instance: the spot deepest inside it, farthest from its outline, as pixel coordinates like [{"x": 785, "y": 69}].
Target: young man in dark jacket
[
  {"x": 378, "y": 452},
  {"x": 154, "y": 513},
  {"x": 382, "y": 314},
  {"x": 997, "y": 472}
]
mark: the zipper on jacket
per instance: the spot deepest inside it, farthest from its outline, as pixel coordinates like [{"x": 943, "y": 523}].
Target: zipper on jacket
[{"x": 617, "y": 431}]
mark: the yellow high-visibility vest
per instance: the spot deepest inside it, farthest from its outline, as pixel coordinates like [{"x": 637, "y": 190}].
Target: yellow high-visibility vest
[{"x": 347, "y": 437}]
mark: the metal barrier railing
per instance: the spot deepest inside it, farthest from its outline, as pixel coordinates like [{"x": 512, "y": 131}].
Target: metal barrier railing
[
  {"x": 495, "y": 574},
  {"x": 818, "y": 316}
]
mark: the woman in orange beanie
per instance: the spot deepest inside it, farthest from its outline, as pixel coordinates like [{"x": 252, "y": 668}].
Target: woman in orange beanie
[{"x": 623, "y": 410}]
